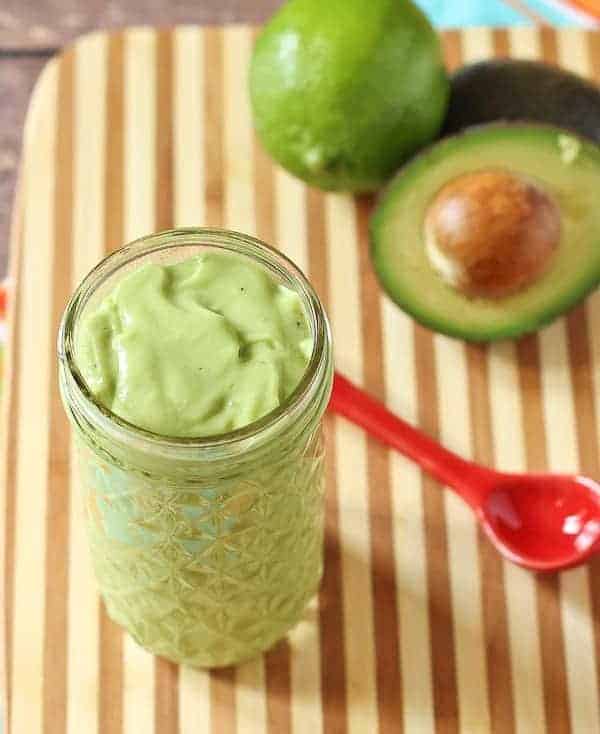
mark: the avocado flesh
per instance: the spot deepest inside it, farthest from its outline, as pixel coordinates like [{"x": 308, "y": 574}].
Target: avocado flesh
[{"x": 566, "y": 167}]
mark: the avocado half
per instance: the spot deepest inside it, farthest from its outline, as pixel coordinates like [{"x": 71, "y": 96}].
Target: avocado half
[
  {"x": 516, "y": 89},
  {"x": 562, "y": 165}
]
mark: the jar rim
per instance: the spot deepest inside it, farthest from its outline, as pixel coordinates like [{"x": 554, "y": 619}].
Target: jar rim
[{"x": 236, "y": 243}]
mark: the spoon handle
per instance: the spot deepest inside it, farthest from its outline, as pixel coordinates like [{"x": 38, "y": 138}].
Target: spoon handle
[{"x": 471, "y": 481}]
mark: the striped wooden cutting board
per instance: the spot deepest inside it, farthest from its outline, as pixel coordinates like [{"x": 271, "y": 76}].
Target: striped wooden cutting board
[{"x": 419, "y": 625}]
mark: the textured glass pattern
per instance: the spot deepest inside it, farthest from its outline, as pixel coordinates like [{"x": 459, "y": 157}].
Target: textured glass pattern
[{"x": 208, "y": 574}]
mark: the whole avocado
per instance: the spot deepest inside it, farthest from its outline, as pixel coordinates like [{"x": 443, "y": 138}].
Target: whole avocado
[
  {"x": 520, "y": 89},
  {"x": 344, "y": 91}
]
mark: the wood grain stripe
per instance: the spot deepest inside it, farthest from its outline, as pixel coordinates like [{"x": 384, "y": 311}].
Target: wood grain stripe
[
  {"x": 164, "y": 114},
  {"x": 189, "y": 135},
  {"x": 166, "y": 673},
  {"x": 58, "y": 482},
  {"x": 238, "y": 159},
  {"x": 140, "y": 177},
  {"x": 571, "y": 52},
  {"x": 189, "y": 128},
  {"x": 10, "y": 412},
  {"x": 277, "y": 661},
  {"x": 32, "y": 437},
  {"x": 351, "y": 474},
  {"x": 264, "y": 197},
  {"x": 592, "y": 314},
  {"x": 291, "y": 225},
  {"x": 593, "y": 52},
  {"x": 278, "y": 683},
  {"x": 240, "y": 214},
  {"x": 408, "y": 528},
  {"x": 222, "y": 682},
  {"x": 213, "y": 126},
  {"x": 500, "y": 42},
  {"x": 88, "y": 226},
  {"x": 445, "y": 687},
  {"x": 452, "y": 49},
  {"x": 588, "y": 440},
  {"x": 466, "y": 573},
  {"x": 557, "y": 395},
  {"x": 519, "y": 584},
  {"x": 383, "y": 574},
  {"x": 115, "y": 132},
  {"x": 548, "y": 609},
  {"x": 290, "y": 234},
  {"x": 303, "y": 646},
  {"x": 445, "y": 697},
  {"x": 491, "y": 564},
  {"x": 463, "y": 558},
  {"x": 139, "y": 147},
  {"x": 548, "y": 588},
  {"x": 575, "y": 587},
  {"x": 222, "y": 700},
  {"x": 477, "y": 44},
  {"x": 331, "y": 613},
  {"x": 548, "y": 44},
  {"x": 524, "y": 42},
  {"x": 111, "y": 638}
]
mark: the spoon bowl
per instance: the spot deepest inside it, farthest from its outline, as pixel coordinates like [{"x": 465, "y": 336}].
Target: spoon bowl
[{"x": 546, "y": 522}]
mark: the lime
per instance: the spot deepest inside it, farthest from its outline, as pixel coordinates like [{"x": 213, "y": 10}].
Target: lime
[{"x": 343, "y": 91}]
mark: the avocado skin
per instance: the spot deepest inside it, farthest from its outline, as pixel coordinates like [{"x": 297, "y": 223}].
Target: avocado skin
[{"x": 513, "y": 89}]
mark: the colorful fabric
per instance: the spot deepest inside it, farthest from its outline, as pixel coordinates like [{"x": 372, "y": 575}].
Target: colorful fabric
[{"x": 505, "y": 12}]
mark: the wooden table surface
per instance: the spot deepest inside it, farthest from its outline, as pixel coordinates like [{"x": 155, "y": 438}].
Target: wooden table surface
[{"x": 33, "y": 30}]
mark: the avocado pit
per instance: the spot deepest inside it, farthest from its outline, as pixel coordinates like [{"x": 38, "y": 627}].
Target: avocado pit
[{"x": 491, "y": 233}]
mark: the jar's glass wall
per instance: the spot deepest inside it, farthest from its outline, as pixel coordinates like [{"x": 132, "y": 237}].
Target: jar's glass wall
[
  {"x": 207, "y": 551},
  {"x": 213, "y": 572}
]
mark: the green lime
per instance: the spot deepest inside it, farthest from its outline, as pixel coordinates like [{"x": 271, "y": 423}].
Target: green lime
[{"x": 343, "y": 91}]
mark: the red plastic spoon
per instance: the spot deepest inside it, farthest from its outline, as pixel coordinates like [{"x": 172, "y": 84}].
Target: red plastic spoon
[{"x": 545, "y": 522}]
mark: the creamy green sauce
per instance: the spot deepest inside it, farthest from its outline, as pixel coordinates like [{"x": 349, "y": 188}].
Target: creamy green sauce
[{"x": 195, "y": 348}]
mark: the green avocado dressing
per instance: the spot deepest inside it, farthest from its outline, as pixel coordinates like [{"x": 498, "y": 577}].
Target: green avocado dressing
[{"x": 195, "y": 348}]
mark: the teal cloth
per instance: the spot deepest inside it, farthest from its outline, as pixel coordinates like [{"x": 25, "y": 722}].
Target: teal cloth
[{"x": 453, "y": 13}]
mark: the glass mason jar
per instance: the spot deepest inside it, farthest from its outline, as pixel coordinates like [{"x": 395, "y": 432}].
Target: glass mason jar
[{"x": 206, "y": 550}]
